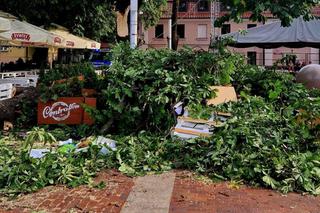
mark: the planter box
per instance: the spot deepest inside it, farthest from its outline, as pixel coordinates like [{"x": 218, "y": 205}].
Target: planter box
[
  {"x": 67, "y": 110},
  {"x": 68, "y": 80}
]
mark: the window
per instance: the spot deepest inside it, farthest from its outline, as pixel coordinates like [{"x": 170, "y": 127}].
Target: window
[
  {"x": 181, "y": 31},
  {"x": 203, "y": 6},
  {"x": 183, "y": 6},
  {"x": 202, "y": 31},
  {"x": 225, "y": 29},
  {"x": 252, "y": 58},
  {"x": 251, "y": 26},
  {"x": 159, "y": 31}
]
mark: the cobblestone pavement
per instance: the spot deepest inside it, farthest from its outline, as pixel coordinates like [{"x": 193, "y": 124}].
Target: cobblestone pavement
[{"x": 190, "y": 195}]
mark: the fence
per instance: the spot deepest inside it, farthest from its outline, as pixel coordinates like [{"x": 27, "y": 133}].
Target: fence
[{"x": 304, "y": 58}]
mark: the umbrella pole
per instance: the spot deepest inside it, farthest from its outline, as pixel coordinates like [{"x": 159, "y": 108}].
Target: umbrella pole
[{"x": 51, "y": 51}]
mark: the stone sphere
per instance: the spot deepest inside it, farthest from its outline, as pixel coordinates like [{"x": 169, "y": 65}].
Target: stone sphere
[{"x": 310, "y": 76}]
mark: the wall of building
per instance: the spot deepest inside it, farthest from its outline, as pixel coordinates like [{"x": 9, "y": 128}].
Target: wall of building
[
  {"x": 192, "y": 18},
  {"x": 191, "y": 34},
  {"x": 14, "y": 53}
]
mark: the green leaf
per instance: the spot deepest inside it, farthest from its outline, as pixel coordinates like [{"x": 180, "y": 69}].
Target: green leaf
[
  {"x": 270, "y": 181},
  {"x": 126, "y": 169}
]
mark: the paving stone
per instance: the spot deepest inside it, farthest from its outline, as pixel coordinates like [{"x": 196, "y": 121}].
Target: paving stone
[{"x": 150, "y": 194}]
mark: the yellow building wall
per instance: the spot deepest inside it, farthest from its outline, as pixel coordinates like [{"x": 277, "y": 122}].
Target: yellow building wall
[{"x": 14, "y": 53}]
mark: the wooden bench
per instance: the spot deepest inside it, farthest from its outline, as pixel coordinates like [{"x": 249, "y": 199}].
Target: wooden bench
[
  {"x": 33, "y": 80},
  {"x": 18, "y": 82},
  {"x": 15, "y": 74},
  {"x": 6, "y": 91},
  {"x": 27, "y": 81}
]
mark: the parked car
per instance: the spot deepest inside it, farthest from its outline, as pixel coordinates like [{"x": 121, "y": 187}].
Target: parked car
[{"x": 100, "y": 58}]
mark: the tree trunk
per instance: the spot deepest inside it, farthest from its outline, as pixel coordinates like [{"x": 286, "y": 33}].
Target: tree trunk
[
  {"x": 10, "y": 107},
  {"x": 174, "y": 18}
]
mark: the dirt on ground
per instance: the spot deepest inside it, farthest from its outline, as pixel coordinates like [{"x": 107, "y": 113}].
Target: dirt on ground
[{"x": 81, "y": 199}]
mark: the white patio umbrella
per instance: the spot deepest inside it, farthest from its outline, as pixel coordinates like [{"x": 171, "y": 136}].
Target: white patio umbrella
[
  {"x": 72, "y": 41},
  {"x": 25, "y": 34},
  {"x": 4, "y": 24},
  {"x": 91, "y": 44}
]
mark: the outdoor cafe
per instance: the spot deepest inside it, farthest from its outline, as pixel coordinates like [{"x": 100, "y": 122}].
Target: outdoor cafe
[{"x": 25, "y": 48}]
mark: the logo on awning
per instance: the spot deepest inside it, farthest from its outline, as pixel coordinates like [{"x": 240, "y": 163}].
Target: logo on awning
[
  {"x": 70, "y": 43},
  {"x": 20, "y": 36},
  {"x": 57, "y": 40},
  {"x": 93, "y": 45}
]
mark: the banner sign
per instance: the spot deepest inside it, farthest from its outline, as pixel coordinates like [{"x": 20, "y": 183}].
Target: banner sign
[{"x": 20, "y": 36}]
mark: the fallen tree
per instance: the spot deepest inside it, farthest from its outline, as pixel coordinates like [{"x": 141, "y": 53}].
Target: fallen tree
[{"x": 11, "y": 109}]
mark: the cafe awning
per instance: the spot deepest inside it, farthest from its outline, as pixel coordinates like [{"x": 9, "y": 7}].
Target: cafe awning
[
  {"x": 21, "y": 33},
  {"x": 74, "y": 42},
  {"x": 4, "y": 24},
  {"x": 91, "y": 44}
]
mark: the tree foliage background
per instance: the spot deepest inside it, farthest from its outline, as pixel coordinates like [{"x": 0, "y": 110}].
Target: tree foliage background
[
  {"x": 92, "y": 18},
  {"x": 286, "y": 11},
  {"x": 96, "y": 18}
]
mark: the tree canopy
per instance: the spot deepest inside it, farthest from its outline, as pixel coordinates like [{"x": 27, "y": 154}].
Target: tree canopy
[
  {"x": 286, "y": 10},
  {"x": 92, "y": 18}
]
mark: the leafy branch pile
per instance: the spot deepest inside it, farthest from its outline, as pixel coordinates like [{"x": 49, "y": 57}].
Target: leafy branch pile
[
  {"x": 20, "y": 173},
  {"x": 271, "y": 140},
  {"x": 260, "y": 146},
  {"x": 142, "y": 86}
]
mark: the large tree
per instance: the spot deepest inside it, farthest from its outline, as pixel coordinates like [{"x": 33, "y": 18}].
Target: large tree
[
  {"x": 285, "y": 10},
  {"x": 92, "y": 18}
]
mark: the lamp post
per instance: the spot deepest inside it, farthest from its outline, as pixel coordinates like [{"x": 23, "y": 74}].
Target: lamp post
[
  {"x": 133, "y": 23},
  {"x": 170, "y": 33}
]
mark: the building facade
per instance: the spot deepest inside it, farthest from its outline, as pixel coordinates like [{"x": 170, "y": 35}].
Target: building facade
[
  {"x": 195, "y": 29},
  {"x": 193, "y": 26}
]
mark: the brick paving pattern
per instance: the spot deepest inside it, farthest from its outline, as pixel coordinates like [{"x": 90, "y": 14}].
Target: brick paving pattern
[{"x": 193, "y": 196}]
